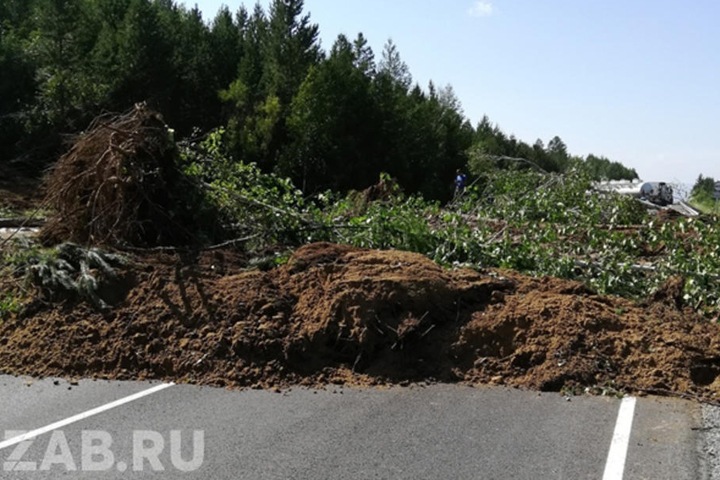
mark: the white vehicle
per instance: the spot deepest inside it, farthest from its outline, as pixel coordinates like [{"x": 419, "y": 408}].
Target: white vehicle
[{"x": 658, "y": 193}]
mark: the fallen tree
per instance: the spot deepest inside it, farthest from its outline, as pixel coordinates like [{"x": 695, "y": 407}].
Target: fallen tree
[{"x": 119, "y": 184}]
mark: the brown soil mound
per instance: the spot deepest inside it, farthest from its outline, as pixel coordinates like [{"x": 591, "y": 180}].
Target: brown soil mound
[{"x": 339, "y": 314}]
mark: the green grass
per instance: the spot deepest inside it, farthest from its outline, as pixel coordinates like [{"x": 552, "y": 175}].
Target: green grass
[
  {"x": 9, "y": 305},
  {"x": 706, "y": 206}
]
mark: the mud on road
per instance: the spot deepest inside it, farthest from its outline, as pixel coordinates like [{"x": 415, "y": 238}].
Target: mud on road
[{"x": 338, "y": 314}]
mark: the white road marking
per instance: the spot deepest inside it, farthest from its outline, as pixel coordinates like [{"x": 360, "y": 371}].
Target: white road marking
[
  {"x": 81, "y": 416},
  {"x": 615, "y": 465}
]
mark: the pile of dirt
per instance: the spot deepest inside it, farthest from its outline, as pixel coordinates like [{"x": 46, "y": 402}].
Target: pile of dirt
[
  {"x": 119, "y": 184},
  {"x": 337, "y": 314}
]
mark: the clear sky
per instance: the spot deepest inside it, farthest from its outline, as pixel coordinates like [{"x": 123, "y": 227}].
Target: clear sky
[{"x": 637, "y": 81}]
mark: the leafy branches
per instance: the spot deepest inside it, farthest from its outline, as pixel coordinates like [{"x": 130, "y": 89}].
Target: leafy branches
[
  {"x": 523, "y": 219},
  {"x": 265, "y": 207},
  {"x": 546, "y": 224}
]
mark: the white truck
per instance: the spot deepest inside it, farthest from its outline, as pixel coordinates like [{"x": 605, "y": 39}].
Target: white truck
[{"x": 657, "y": 193}]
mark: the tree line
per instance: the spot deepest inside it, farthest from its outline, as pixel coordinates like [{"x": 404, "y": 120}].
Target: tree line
[{"x": 326, "y": 119}]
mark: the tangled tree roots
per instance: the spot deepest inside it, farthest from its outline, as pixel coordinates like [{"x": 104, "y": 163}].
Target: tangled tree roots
[{"x": 119, "y": 184}]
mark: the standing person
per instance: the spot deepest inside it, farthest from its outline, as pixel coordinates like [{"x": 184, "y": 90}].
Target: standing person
[{"x": 460, "y": 181}]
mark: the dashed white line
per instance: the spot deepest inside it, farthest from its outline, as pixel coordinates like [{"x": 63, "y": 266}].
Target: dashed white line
[
  {"x": 615, "y": 465},
  {"x": 81, "y": 416}
]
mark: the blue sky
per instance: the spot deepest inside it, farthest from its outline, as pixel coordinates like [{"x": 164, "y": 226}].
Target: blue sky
[{"x": 637, "y": 81}]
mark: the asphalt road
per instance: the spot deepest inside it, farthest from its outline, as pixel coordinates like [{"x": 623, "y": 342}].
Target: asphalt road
[{"x": 433, "y": 432}]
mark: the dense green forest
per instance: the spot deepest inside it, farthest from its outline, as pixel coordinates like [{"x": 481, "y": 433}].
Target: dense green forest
[{"x": 326, "y": 119}]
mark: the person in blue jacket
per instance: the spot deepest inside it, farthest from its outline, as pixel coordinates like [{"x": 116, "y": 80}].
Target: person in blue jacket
[{"x": 460, "y": 182}]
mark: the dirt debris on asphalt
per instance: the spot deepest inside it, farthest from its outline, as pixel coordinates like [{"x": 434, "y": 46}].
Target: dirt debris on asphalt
[{"x": 339, "y": 314}]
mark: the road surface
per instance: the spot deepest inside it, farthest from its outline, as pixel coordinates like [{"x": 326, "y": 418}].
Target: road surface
[{"x": 128, "y": 430}]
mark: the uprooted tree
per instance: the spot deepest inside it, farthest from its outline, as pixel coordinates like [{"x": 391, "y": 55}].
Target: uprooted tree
[{"x": 120, "y": 184}]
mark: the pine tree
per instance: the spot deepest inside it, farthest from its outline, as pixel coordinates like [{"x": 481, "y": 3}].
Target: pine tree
[{"x": 393, "y": 66}]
